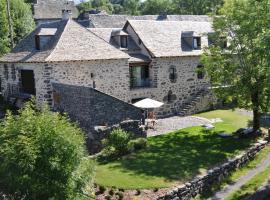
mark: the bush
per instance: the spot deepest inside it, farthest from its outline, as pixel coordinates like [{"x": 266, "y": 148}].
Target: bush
[
  {"x": 137, "y": 144},
  {"x": 43, "y": 156},
  {"x": 118, "y": 140}
]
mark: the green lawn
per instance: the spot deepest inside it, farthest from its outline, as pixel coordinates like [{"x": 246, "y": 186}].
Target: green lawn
[{"x": 177, "y": 156}]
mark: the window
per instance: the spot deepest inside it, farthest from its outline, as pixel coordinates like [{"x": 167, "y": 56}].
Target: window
[
  {"x": 173, "y": 75},
  {"x": 139, "y": 76},
  {"x": 123, "y": 41},
  {"x": 197, "y": 43},
  {"x": 37, "y": 42},
  {"x": 200, "y": 72},
  {"x": 28, "y": 82}
]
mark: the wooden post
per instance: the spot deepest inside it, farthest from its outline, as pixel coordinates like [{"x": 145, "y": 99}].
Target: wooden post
[{"x": 10, "y": 24}]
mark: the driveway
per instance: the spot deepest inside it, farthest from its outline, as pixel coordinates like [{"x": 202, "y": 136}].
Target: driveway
[{"x": 171, "y": 124}]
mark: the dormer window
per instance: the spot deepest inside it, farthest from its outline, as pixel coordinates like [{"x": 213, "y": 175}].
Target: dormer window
[
  {"x": 43, "y": 37},
  {"x": 196, "y": 43},
  {"x": 123, "y": 41}
]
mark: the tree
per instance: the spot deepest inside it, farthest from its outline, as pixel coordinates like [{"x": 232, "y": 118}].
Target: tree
[
  {"x": 43, "y": 156},
  {"x": 4, "y": 40},
  {"x": 243, "y": 69},
  {"x": 131, "y": 7},
  {"x": 22, "y": 19},
  {"x": 156, "y": 7},
  {"x": 196, "y": 7}
]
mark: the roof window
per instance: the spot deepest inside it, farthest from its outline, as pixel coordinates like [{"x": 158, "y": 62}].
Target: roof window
[{"x": 43, "y": 37}]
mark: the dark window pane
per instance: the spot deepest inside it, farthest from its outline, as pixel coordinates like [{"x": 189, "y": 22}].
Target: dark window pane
[
  {"x": 123, "y": 41},
  {"x": 28, "y": 82}
]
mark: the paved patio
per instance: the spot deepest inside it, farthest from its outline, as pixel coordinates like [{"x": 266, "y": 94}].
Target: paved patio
[{"x": 171, "y": 124}]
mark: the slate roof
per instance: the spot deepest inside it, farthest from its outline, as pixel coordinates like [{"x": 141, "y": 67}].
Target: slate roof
[
  {"x": 52, "y": 9},
  {"x": 118, "y": 21},
  {"x": 163, "y": 38},
  {"x": 107, "y": 33},
  {"x": 71, "y": 42}
]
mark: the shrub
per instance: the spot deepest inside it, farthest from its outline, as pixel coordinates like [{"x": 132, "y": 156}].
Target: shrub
[
  {"x": 43, "y": 156},
  {"x": 111, "y": 192},
  {"x": 118, "y": 139},
  {"x": 137, "y": 144},
  {"x": 120, "y": 195},
  {"x": 102, "y": 189}
]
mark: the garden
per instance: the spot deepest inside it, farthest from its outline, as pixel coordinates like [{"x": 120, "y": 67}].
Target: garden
[{"x": 176, "y": 157}]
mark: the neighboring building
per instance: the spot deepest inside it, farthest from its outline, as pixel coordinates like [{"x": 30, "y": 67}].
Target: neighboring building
[
  {"x": 95, "y": 19},
  {"x": 145, "y": 58},
  {"x": 50, "y": 10}
]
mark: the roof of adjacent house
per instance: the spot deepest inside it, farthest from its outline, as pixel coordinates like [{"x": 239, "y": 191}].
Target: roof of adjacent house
[
  {"x": 163, "y": 38},
  {"x": 52, "y": 9},
  {"x": 71, "y": 42},
  {"x": 118, "y": 21}
]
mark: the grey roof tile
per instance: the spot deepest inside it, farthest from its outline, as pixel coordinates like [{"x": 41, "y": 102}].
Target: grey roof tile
[
  {"x": 52, "y": 9},
  {"x": 118, "y": 21},
  {"x": 71, "y": 42},
  {"x": 163, "y": 38}
]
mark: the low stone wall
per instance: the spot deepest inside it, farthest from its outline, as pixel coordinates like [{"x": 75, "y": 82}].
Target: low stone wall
[
  {"x": 201, "y": 184},
  {"x": 95, "y": 137},
  {"x": 90, "y": 107}
]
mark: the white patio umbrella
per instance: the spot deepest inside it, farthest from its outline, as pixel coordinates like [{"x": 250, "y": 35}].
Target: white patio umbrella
[{"x": 148, "y": 103}]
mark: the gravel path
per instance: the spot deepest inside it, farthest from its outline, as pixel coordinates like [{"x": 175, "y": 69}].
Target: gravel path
[
  {"x": 171, "y": 124},
  {"x": 222, "y": 194}
]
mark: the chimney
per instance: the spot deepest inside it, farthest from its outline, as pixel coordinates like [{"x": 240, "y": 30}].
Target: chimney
[
  {"x": 162, "y": 16},
  {"x": 66, "y": 14}
]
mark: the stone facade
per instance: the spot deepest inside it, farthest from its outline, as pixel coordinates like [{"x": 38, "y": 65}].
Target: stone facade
[
  {"x": 201, "y": 184},
  {"x": 11, "y": 80},
  {"x": 113, "y": 78},
  {"x": 185, "y": 87}
]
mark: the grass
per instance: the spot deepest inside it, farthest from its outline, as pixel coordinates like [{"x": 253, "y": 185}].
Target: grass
[
  {"x": 251, "y": 186},
  {"x": 176, "y": 157}
]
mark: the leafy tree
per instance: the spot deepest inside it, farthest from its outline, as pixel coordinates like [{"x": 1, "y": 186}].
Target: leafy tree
[
  {"x": 155, "y": 7},
  {"x": 4, "y": 40},
  {"x": 244, "y": 67},
  {"x": 43, "y": 156},
  {"x": 22, "y": 19},
  {"x": 131, "y": 7},
  {"x": 196, "y": 7}
]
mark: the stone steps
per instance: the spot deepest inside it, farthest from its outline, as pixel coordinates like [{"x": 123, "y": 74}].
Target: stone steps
[{"x": 188, "y": 106}]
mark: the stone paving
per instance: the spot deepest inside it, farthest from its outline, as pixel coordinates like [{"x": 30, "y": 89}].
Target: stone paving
[{"x": 171, "y": 124}]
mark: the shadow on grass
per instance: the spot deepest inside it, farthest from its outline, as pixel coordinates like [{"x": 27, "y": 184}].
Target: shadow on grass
[{"x": 181, "y": 155}]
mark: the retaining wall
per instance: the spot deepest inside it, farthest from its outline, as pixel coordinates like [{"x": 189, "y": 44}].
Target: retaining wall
[{"x": 201, "y": 184}]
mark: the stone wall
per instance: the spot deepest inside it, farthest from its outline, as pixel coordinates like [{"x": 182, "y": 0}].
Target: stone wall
[
  {"x": 11, "y": 80},
  {"x": 94, "y": 140},
  {"x": 184, "y": 88},
  {"x": 91, "y": 107},
  {"x": 201, "y": 184},
  {"x": 112, "y": 77},
  {"x": 108, "y": 76}
]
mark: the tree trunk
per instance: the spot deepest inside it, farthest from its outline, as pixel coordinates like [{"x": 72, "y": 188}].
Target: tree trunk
[
  {"x": 256, "y": 120},
  {"x": 256, "y": 113},
  {"x": 10, "y": 25}
]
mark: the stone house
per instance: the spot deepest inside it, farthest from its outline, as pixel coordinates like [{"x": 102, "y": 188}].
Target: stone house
[
  {"x": 46, "y": 11},
  {"x": 144, "y": 58}
]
